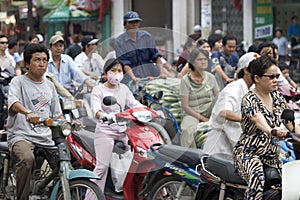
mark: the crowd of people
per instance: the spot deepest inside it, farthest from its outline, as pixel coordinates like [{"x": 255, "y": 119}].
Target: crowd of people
[{"x": 237, "y": 95}]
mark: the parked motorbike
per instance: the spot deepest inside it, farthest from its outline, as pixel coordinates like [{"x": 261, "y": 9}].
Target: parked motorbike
[
  {"x": 291, "y": 95},
  {"x": 141, "y": 132},
  {"x": 5, "y": 78},
  {"x": 185, "y": 173},
  {"x": 62, "y": 182}
]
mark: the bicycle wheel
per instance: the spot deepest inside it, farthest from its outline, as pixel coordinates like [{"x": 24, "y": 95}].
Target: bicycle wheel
[
  {"x": 79, "y": 188},
  {"x": 168, "y": 187}
]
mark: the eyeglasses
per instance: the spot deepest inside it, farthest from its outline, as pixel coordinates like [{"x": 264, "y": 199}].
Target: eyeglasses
[
  {"x": 3, "y": 42},
  {"x": 272, "y": 76}
]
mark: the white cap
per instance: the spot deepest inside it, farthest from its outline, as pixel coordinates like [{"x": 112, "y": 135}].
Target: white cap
[
  {"x": 41, "y": 38},
  {"x": 197, "y": 28},
  {"x": 246, "y": 59}
]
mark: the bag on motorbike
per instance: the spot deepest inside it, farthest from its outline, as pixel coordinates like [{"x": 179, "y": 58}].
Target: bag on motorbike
[{"x": 119, "y": 165}]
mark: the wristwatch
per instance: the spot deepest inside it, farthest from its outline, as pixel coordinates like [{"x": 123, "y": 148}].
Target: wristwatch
[{"x": 28, "y": 112}]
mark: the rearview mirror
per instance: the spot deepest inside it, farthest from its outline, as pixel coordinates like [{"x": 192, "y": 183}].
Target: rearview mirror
[
  {"x": 158, "y": 95},
  {"x": 109, "y": 100}
]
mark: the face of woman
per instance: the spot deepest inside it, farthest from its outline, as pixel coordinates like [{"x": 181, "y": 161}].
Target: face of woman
[
  {"x": 206, "y": 47},
  {"x": 269, "y": 79},
  {"x": 218, "y": 45},
  {"x": 201, "y": 62}
]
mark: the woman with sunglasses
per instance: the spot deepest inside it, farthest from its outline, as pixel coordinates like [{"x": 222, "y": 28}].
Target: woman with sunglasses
[{"x": 258, "y": 145}]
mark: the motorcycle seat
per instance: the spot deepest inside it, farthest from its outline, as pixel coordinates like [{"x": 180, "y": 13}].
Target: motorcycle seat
[
  {"x": 4, "y": 147},
  {"x": 221, "y": 165},
  {"x": 186, "y": 155},
  {"x": 86, "y": 139}
]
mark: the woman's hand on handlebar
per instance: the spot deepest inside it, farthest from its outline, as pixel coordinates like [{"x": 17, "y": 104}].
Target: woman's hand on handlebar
[{"x": 279, "y": 133}]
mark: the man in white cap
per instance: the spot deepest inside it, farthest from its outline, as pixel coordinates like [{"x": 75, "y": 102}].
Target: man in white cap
[
  {"x": 89, "y": 61},
  {"x": 137, "y": 50},
  {"x": 62, "y": 65},
  {"x": 226, "y": 114}
]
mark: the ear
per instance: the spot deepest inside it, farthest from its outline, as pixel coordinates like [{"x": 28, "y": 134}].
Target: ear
[{"x": 256, "y": 78}]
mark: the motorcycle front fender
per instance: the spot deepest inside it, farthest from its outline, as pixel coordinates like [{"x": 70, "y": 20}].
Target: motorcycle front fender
[
  {"x": 150, "y": 180},
  {"x": 74, "y": 174},
  {"x": 82, "y": 173}
]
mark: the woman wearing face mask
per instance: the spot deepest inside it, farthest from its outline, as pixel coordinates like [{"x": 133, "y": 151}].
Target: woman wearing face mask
[{"x": 106, "y": 134}]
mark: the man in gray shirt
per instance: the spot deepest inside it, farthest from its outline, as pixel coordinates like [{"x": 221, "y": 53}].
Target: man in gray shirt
[{"x": 31, "y": 97}]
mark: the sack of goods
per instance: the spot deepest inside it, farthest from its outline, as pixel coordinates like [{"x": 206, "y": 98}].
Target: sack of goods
[{"x": 170, "y": 98}]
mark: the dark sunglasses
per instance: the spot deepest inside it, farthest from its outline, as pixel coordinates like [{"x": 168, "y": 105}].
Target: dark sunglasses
[
  {"x": 272, "y": 76},
  {"x": 3, "y": 42}
]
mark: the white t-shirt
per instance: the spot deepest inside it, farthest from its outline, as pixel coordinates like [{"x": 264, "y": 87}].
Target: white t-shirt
[
  {"x": 94, "y": 65},
  {"x": 225, "y": 133}
]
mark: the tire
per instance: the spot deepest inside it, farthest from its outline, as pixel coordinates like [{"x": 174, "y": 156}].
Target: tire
[
  {"x": 211, "y": 192},
  {"x": 78, "y": 188},
  {"x": 167, "y": 188}
]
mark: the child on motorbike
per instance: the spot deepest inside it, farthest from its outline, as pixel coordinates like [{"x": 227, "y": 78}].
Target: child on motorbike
[
  {"x": 105, "y": 134},
  {"x": 258, "y": 144}
]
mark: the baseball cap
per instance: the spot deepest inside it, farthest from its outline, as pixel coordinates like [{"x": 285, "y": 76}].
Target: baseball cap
[
  {"x": 246, "y": 59},
  {"x": 88, "y": 40},
  {"x": 41, "y": 38},
  {"x": 56, "y": 38},
  {"x": 59, "y": 33},
  {"x": 197, "y": 28},
  {"x": 131, "y": 16}
]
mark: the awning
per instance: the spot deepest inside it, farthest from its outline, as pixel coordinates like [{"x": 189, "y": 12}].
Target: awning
[{"x": 68, "y": 14}]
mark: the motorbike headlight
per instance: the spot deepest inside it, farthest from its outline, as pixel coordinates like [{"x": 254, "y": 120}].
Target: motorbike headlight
[
  {"x": 66, "y": 128},
  {"x": 143, "y": 116}
]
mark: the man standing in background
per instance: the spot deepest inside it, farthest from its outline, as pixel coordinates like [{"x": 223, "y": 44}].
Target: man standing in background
[{"x": 137, "y": 50}]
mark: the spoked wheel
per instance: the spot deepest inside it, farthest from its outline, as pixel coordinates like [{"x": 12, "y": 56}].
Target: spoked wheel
[
  {"x": 170, "y": 187},
  {"x": 81, "y": 189}
]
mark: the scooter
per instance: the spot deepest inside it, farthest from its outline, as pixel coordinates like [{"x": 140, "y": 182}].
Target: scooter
[
  {"x": 185, "y": 173},
  {"x": 141, "y": 132},
  {"x": 169, "y": 121},
  {"x": 292, "y": 97},
  {"x": 5, "y": 78},
  {"x": 58, "y": 181}
]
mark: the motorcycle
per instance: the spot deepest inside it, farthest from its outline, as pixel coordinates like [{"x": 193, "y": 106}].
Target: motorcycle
[
  {"x": 141, "y": 132},
  {"x": 185, "y": 173},
  {"x": 5, "y": 77},
  {"x": 169, "y": 121},
  {"x": 292, "y": 97},
  {"x": 62, "y": 182}
]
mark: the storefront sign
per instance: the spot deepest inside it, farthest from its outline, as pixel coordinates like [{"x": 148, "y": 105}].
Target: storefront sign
[{"x": 263, "y": 21}]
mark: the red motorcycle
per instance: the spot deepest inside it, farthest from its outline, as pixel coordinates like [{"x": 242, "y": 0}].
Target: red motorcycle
[
  {"x": 292, "y": 97},
  {"x": 142, "y": 132}
]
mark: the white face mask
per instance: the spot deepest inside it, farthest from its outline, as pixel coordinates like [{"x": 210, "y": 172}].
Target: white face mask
[{"x": 114, "y": 78}]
